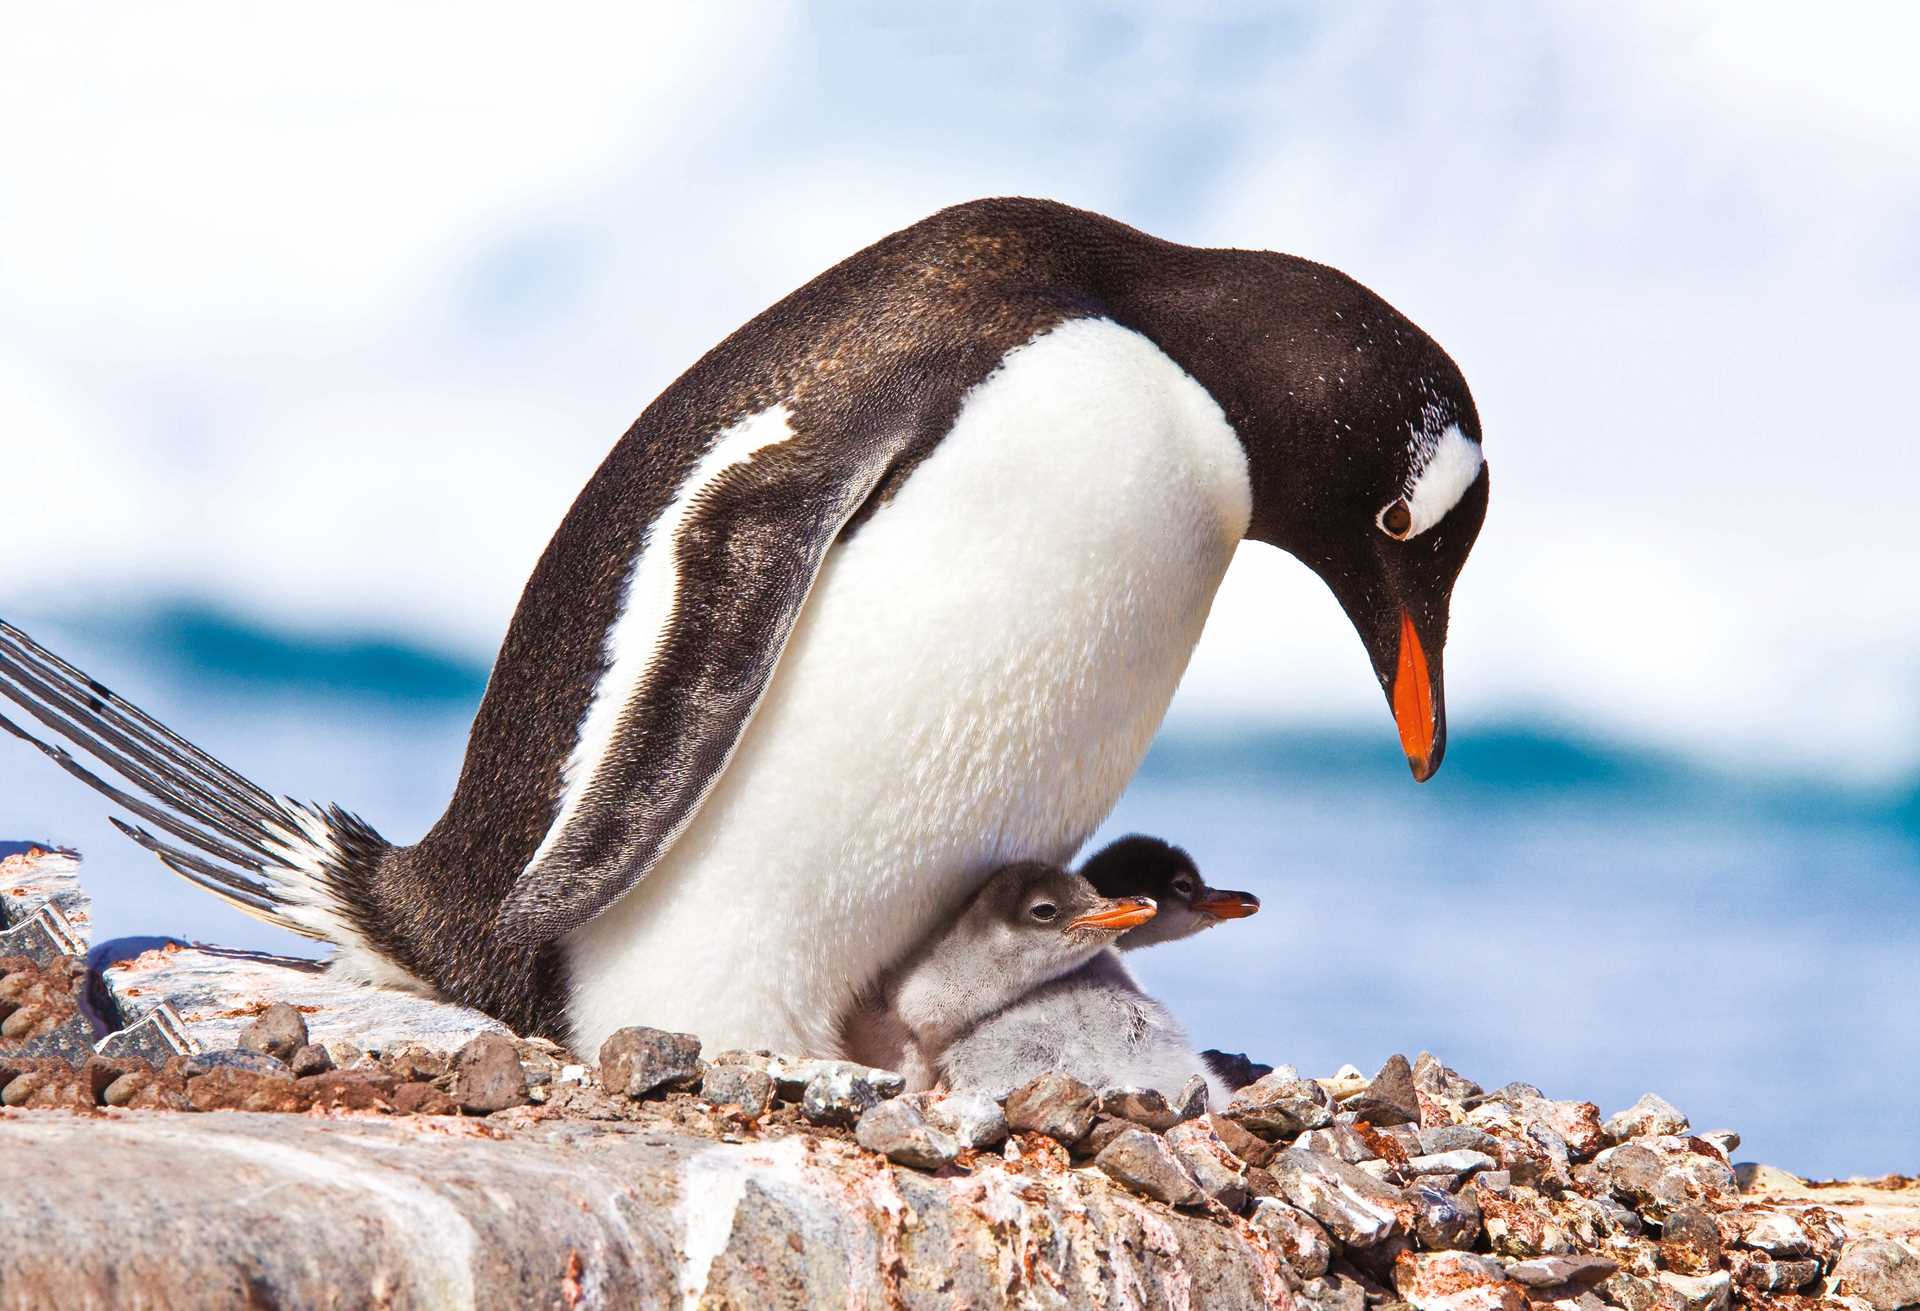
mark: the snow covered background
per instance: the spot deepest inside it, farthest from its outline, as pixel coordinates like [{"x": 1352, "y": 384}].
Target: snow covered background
[{"x": 312, "y": 325}]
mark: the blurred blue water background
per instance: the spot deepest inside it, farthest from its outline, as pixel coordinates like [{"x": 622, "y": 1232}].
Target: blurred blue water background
[{"x": 1590, "y": 917}]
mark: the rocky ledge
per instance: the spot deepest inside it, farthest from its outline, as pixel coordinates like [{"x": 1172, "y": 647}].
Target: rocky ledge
[{"x": 167, "y": 1139}]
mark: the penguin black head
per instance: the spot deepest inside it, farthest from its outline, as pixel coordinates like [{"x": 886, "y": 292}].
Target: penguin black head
[
  {"x": 1140, "y": 866},
  {"x": 1363, "y": 450}
]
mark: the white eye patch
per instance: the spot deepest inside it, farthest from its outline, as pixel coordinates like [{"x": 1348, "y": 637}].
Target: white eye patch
[{"x": 1451, "y": 466}]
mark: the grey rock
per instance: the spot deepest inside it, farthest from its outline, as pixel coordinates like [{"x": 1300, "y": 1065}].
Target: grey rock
[
  {"x": 1339, "y": 1140},
  {"x": 216, "y": 986},
  {"x": 1630, "y": 1292},
  {"x": 1455, "y": 1138},
  {"x": 1649, "y": 1117},
  {"x": 1142, "y": 1161},
  {"x": 1553, "y": 1271},
  {"x": 494, "y": 1215},
  {"x": 1457, "y": 1163},
  {"x": 973, "y": 1118},
  {"x": 279, "y": 1031},
  {"x": 1455, "y": 1281},
  {"x": 1281, "y": 1107},
  {"x": 158, "y": 1036},
  {"x": 233, "y": 1058},
  {"x": 1444, "y": 1221},
  {"x": 1356, "y": 1208},
  {"x": 487, "y": 1076},
  {"x": 1295, "y": 1235},
  {"x": 1219, "y": 1173},
  {"x": 1778, "y": 1235},
  {"x": 1690, "y": 1240},
  {"x": 311, "y": 1059},
  {"x": 1699, "y": 1293},
  {"x": 637, "y": 1061},
  {"x": 1145, "y": 1107},
  {"x": 1755, "y": 1271},
  {"x": 1389, "y": 1098},
  {"x": 1333, "y": 1293},
  {"x": 1191, "y": 1103},
  {"x": 1054, "y": 1104},
  {"x": 840, "y": 1092},
  {"x": 791, "y": 1077},
  {"x": 1882, "y": 1272},
  {"x": 738, "y": 1085},
  {"x": 43, "y": 938},
  {"x": 898, "y": 1131}
]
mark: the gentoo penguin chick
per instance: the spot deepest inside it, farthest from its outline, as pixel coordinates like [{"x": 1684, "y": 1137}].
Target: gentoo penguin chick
[
  {"x": 1030, "y": 923},
  {"x": 1140, "y": 866}
]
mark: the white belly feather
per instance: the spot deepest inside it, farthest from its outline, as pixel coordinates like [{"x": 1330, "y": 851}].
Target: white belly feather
[{"x": 974, "y": 680}]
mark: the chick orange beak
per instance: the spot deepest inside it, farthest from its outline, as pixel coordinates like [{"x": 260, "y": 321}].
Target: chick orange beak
[
  {"x": 1224, "y": 905},
  {"x": 1413, "y": 701},
  {"x": 1119, "y": 914}
]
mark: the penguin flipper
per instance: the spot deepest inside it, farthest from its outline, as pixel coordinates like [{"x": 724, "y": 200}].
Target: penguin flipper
[{"x": 743, "y": 547}]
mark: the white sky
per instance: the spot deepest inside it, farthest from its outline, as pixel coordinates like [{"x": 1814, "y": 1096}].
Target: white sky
[{"x": 329, "y": 316}]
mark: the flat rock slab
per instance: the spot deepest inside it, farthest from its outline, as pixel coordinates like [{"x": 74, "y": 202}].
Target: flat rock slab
[
  {"x": 33, "y": 875},
  {"x": 288, "y": 1210},
  {"x": 218, "y": 992}
]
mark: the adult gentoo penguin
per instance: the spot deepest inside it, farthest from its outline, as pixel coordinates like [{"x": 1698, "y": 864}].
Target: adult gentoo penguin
[{"x": 889, "y": 590}]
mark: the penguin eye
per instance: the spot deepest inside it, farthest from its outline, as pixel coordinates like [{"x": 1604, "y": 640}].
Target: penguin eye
[
  {"x": 1396, "y": 521},
  {"x": 1044, "y": 911},
  {"x": 1184, "y": 887}
]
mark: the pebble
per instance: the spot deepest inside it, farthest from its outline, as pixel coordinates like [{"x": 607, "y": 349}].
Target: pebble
[
  {"x": 1191, "y": 1104},
  {"x": 233, "y": 1058},
  {"x": 1254, "y": 1151},
  {"x": 311, "y": 1059},
  {"x": 840, "y": 1092},
  {"x": 1881, "y": 1272},
  {"x": 486, "y": 1075},
  {"x": 1779, "y": 1236},
  {"x": 1055, "y": 1104},
  {"x": 1457, "y": 1163},
  {"x": 1649, "y": 1117},
  {"x": 973, "y": 1118},
  {"x": 1552, "y": 1271},
  {"x": 1701, "y": 1293},
  {"x": 279, "y": 1031},
  {"x": 1444, "y": 1221},
  {"x": 1455, "y": 1138},
  {"x": 1751, "y": 1270},
  {"x": 1356, "y": 1208},
  {"x": 1690, "y": 1240},
  {"x": 737, "y": 1085},
  {"x": 638, "y": 1060},
  {"x": 1281, "y": 1107},
  {"x": 1455, "y": 1281},
  {"x": 1297, "y": 1236},
  {"x": 898, "y": 1131},
  {"x": 1341, "y": 1140},
  {"x": 1333, "y": 1293},
  {"x": 1143, "y": 1106},
  {"x": 1389, "y": 1097},
  {"x": 1142, "y": 1161},
  {"x": 1219, "y": 1173},
  {"x": 125, "y": 1088}
]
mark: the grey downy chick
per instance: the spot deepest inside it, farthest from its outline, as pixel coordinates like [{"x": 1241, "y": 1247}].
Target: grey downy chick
[
  {"x": 1139, "y": 866},
  {"x": 1029, "y": 924}
]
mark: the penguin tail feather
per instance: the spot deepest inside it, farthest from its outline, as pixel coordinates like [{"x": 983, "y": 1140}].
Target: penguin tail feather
[{"x": 290, "y": 864}]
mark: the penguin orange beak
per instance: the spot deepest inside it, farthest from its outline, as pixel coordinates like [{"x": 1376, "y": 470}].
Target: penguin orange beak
[
  {"x": 1413, "y": 703},
  {"x": 1118, "y": 915},
  {"x": 1224, "y": 905}
]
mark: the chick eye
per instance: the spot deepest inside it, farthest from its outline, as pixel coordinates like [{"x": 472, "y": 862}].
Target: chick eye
[
  {"x": 1396, "y": 521},
  {"x": 1044, "y": 911},
  {"x": 1183, "y": 886}
]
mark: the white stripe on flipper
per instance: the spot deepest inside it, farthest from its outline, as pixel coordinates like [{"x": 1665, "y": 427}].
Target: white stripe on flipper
[
  {"x": 1449, "y": 470},
  {"x": 646, "y": 609}
]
